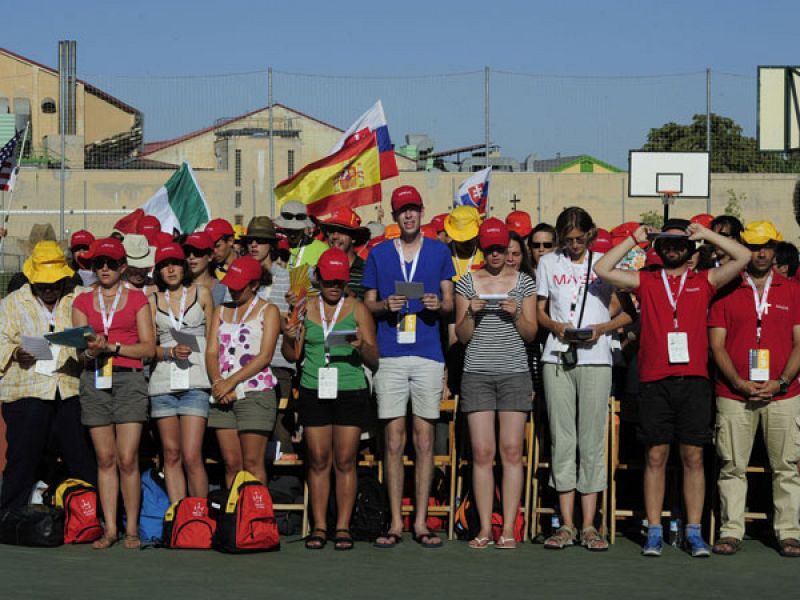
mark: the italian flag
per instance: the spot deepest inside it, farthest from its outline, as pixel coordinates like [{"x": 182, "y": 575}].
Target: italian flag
[{"x": 179, "y": 204}]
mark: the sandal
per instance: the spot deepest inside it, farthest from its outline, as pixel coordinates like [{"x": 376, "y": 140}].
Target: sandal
[
  {"x": 562, "y": 538},
  {"x": 727, "y": 546},
  {"x": 105, "y": 542},
  {"x": 428, "y": 539},
  {"x": 390, "y": 540},
  {"x": 790, "y": 547},
  {"x": 592, "y": 540},
  {"x": 316, "y": 542},
  {"x": 479, "y": 543},
  {"x": 504, "y": 543},
  {"x": 343, "y": 542},
  {"x": 131, "y": 542}
]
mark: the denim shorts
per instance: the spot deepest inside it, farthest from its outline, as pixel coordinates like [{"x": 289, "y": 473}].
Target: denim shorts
[{"x": 189, "y": 403}]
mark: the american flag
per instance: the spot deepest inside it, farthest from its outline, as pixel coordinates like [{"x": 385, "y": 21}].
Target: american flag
[{"x": 8, "y": 163}]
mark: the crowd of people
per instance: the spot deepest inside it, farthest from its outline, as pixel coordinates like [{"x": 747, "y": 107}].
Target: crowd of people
[{"x": 697, "y": 324}]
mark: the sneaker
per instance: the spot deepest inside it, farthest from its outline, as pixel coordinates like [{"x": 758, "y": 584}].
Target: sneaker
[
  {"x": 695, "y": 544},
  {"x": 655, "y": 542}
]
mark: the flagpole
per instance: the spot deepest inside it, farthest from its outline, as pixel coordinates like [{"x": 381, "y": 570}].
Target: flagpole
[{"x": 13, "y": 179}]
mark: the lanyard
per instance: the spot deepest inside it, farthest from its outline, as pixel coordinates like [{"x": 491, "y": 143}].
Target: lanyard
[
  {"x": 107, "y": 319},
  {"x": 762, "y": 306},
  {"x": 246, "y": 313},
  {"x": 408, "y": 276},
  {"x": 298, "y": 258},
  {"x": 327, "y": 326},
  {"x": 177, "y": 324},
  {"x": 49, "y": 315},
  {"x": 469, "y": 263},
  {"x": 581, "y": 289},
  {"x": 674, "y": 300}
]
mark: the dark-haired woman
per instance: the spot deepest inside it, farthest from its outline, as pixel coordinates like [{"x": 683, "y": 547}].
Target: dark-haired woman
[
  {"x": 178, "y": 383},
  {"x": 541, "y": 241},
  {"x": 198, "y": 247}
]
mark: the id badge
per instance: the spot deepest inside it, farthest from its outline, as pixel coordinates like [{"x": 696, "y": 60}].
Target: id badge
[
  {"x": 558, "y": 345},
  {"x": 102, "y": 373},
  {"x": 328, "y": 383},
  {"x": 407, "y": 329},
  {"x": 240, "y": 391},
  {"x": 48, "y": 367},
  {"x": 678, "y": 347},
  {"x": 179, "y": 376},
  {"x": 759, "y": 364}
]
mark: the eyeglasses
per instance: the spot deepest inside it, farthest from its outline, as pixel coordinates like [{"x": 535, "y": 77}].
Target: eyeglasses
[
  {"x": 189, "y": 251},
  {"x": 104, "y": 261},
  {"x": 547, "y": 245},
  {"x": 257, "y": 240},
  {"x": 295, "y": 217},
  {"x": 578, "y": 241}
]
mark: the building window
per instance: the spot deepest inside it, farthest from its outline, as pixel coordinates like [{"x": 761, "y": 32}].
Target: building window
[
  {"x": 290, "y": 162},
  {"x": 237, "y": 199},
  {"x": 238, "y": 219},
  {"x": 49, "y": 106},
  {"x": 238, "y": 168}
]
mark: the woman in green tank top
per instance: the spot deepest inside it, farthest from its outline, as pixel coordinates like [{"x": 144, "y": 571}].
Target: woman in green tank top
[{"x": 336, "y": 341}]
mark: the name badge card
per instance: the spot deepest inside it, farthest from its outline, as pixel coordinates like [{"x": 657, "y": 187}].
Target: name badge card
[
  {"x": 759, "y": 365},
  {"x": 179, "y": 375},
  {"x": 678, "y": 347},
  {"x": 48, "y": 367},
  {"x": 102, "y": 373},
  {"x": 407, "y": 329},
  {"x": 328, "y": 383},
  {"x": 240, "y": 391}
]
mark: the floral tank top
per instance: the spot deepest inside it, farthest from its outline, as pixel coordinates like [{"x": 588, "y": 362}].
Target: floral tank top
[{"x": 239, "y": 343}]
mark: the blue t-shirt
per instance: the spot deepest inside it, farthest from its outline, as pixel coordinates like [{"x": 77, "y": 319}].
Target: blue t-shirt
[{"x": 383, "y": 268}]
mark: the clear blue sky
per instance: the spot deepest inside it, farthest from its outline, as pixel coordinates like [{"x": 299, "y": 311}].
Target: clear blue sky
[{"x": 123, "y": 46}]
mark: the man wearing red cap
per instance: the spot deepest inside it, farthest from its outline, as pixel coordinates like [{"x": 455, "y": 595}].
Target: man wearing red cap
[
  {"x": 79, "y": 244},
  {"x": 410, "y": 345},
  {"x": 437, "y": 224},
  {"x": 343, "y": 230},
  {"x": 222, "y": 234}
]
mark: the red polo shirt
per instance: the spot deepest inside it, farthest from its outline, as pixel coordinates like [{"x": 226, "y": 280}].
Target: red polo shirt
[
  {"x": 736, "y": 312},
  {"x": 656, "y": 323}
]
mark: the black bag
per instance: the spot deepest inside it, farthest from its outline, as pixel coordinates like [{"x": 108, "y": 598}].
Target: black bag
[
  {"x": 287, "y": 489},
  {"x": 33, "y": 525},
  {"x": 371, "y": 511},
  {"x": 569, "y": 358}
]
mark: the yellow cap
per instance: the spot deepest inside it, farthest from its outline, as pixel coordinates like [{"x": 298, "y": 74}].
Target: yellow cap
[
  {"x": 46, "y": 264},
  {"x": 761, "y": 232},
  {"x": 463, "y": 223},
  {"x": 238, "y": 232}
]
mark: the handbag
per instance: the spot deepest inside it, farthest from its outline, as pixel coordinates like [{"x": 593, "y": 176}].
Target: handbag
[{"x": 569, "y": 358}]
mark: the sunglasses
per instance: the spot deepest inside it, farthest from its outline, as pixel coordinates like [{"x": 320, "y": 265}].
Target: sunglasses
[
  {"x": 547, "y": 245},
  {"x": 170, "y": 262},
  {"x": 77, "y": 249},
  {"x": 297, "y": 217},
  {"x": 47, "y": 287},
  {"x": 104, "y": 261},
  {"x": 257, "y": 240},
  {"x": 332, "y": 283},
  {"x": 189, "y": 251},
  {"x": 495, "y": 250}
]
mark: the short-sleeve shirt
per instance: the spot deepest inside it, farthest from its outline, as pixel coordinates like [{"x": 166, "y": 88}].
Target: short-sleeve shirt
[
  {"x": 467, "y": 265},
  {"x": 123, "y": 326},
  {"x": 563, "y": 283},
  {"x": 736, "y": 313},
  {"x": 496, "y": 346},
  {"x": 307, "y": 255},
  {"x": 383, "y": 270},
  {"x": 657, "y": 322}
]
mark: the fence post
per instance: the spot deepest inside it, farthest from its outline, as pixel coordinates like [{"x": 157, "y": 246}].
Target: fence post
[
  {"x": 708, "y": 130},
  {"x": 271, "y": 146}
]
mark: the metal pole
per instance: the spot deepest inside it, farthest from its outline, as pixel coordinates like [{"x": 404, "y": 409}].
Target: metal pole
[
  {"x": 271, "y": 147},
  {"x": 85, "y": 199},
  {"x": 708, "y": 129},
  {"x": 539, "y": 199},
  {"x": 622, "y": 193},
  {"x": 62, "y": 114},
  {"x": 254, "y": 196},
  {"x": 487, "y": 129},
  {"x": 7, "y": 211}
]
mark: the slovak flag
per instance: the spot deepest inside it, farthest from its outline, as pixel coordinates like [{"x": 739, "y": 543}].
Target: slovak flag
[
  {"x": 372, "y": 122},
  {"x": 474, "y": 191}
]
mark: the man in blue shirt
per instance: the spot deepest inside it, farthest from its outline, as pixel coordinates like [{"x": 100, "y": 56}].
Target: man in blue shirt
[{"x": 412, "y": 361}]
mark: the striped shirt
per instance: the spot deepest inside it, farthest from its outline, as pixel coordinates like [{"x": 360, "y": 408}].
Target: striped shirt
[
  {"x": 276, "y": 294},
  {"x": 496, "y": 346}
]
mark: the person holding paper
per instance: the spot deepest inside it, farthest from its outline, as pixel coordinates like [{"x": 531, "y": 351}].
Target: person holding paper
[
  {"x": 675, "y": 390},
  {"x": 754, "y": 332},
  {"x": 241, "y": 342},
  {"x": 198, "y": 247},
  {"x": 495, "y": 317},
  {"x": 40, "y": 397},
  {"x": 334, "y": 396},
  {"x": 113, "y": 387},
  {"x": 179, "y": 383}
]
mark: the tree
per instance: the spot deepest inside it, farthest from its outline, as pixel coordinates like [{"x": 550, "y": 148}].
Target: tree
[{"x": 731, "y": 151}]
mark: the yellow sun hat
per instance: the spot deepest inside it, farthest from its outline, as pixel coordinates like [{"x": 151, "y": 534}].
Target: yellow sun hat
[
  {"x": 46, "y": 264},
  {"x": 463, "y": 223},
  {"x": 761, "y": 232}
]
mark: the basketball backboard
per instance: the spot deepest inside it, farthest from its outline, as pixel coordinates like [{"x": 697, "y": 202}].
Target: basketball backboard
[
  {"x": 778, "y": 108},
  {"x": 656, "y": 174}
]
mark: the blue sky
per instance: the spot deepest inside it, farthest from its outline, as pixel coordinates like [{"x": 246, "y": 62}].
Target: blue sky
[{"x": 129, "y": 47}]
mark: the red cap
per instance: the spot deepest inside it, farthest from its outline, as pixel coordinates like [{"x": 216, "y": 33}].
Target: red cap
[
  {"x": 80, "y": 238},
  {"x": 429, "y": 232},
  {"x": 169, "y": 251},
  {"x": 602, "y": 242},
  {"x": 378, "y": 239},
  {"x": 200, "y": 240},
  {"x": 437, "y": 223},
  {"x": 703, "y": 218},
  {"x": 108, "y": 247},
  {"x": 162, "y": 238},
  {"x": 493, "y": 232},
  {"x": 405, "y": 195},
  {"x": 519, "y": 222},
  {"x": 148, "y": 226},
  {"x": 620, "y": 232},
  {"x": 217, "y": 228},
  {"x": 343, "y": 217},
  {"x": 333, "y": 265},
  {"x": 242, "y": 271},
  {"x": 127, "y": 224},
  {"x": 283, "y": 242}
]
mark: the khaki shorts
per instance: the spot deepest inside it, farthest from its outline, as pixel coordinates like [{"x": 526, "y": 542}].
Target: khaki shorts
[
  {"x": 400, "y": 377},
  {"x": 258, "y": 411},
  {"x": 125, "y": 402}
]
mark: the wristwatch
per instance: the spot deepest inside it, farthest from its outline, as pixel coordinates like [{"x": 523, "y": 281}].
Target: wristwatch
[
  {"x": 117, "y": 346},
  {"x": 783, "y": 386}
]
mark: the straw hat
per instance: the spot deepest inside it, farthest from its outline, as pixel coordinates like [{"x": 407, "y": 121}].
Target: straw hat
[
  {"x": 139, "y": 251},
  {"x": 46, "y": 264},
  {"x": 39, "y": 232}
]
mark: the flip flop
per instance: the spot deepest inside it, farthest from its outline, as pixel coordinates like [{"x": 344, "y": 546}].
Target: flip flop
[
  {"x": 424, "y": 540},
  {"x": 392, "y": 539},
  {"x": 104, "y": 543},
  {"x": 479, "y": 543},
  {"x": 505, "y": 543},
  {"x": 132, "y": 542}
]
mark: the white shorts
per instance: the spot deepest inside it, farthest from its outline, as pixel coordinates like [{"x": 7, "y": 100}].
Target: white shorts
[{"x": 403, "y": 376}]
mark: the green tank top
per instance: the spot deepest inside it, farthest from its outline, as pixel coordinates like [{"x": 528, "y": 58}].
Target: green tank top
[{"x": 344, "y": 358}]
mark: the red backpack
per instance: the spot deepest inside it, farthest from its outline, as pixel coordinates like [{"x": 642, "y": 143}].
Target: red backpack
[
  {"x": 78, "y": 499},
  {"x": 188, "y": 525},
  {"x": 247, "y": 522}
]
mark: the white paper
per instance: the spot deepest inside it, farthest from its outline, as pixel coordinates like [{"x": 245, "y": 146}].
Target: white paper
[
  {"x": 240, "y": 391},
  {"x": 48, "y": 367},
  {"x": 37, "y": 346},
  {"x": 179, "y": 375},
  {"x": 340, "y": 337},
  {"x": 186, "y": 339},
  {"x": 493, "y": 297},
  {"x": 328, "y": 383},
  {"x": 678, "y": 347}
]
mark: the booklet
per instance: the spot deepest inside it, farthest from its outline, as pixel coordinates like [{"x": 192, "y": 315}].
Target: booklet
[{"x": 74, "y": 337}]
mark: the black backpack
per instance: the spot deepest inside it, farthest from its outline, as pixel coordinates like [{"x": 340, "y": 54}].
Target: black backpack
[
  {"x": 33, "y": 525},
  {"x": 287, "y": 489},
  {"x": 371, "y": 514}
]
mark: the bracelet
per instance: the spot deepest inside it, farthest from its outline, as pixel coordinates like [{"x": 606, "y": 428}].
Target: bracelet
[{"x": 386, "y": 305}]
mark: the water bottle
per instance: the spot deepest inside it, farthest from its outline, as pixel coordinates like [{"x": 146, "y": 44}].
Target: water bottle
[
  {"x": 645, "y": 527},
  {"x": 555, "y": 522},
  {"x": 675, "y": 537}
]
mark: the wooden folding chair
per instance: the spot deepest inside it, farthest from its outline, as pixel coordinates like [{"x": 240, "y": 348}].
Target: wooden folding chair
[{"x": 296, "y": 463}]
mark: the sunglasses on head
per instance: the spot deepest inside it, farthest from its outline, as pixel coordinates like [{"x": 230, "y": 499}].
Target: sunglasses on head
[
  {"x": 190, "y": 251},
  {"x": 104, "y": 261},
  {"x": 541, "y": 244}
]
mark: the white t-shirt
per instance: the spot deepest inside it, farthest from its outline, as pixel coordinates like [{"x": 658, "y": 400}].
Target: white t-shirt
[{"x": 561, "y": 280}]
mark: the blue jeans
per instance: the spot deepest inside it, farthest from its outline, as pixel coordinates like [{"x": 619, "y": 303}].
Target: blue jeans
[{"x": 191, "y": 403}]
